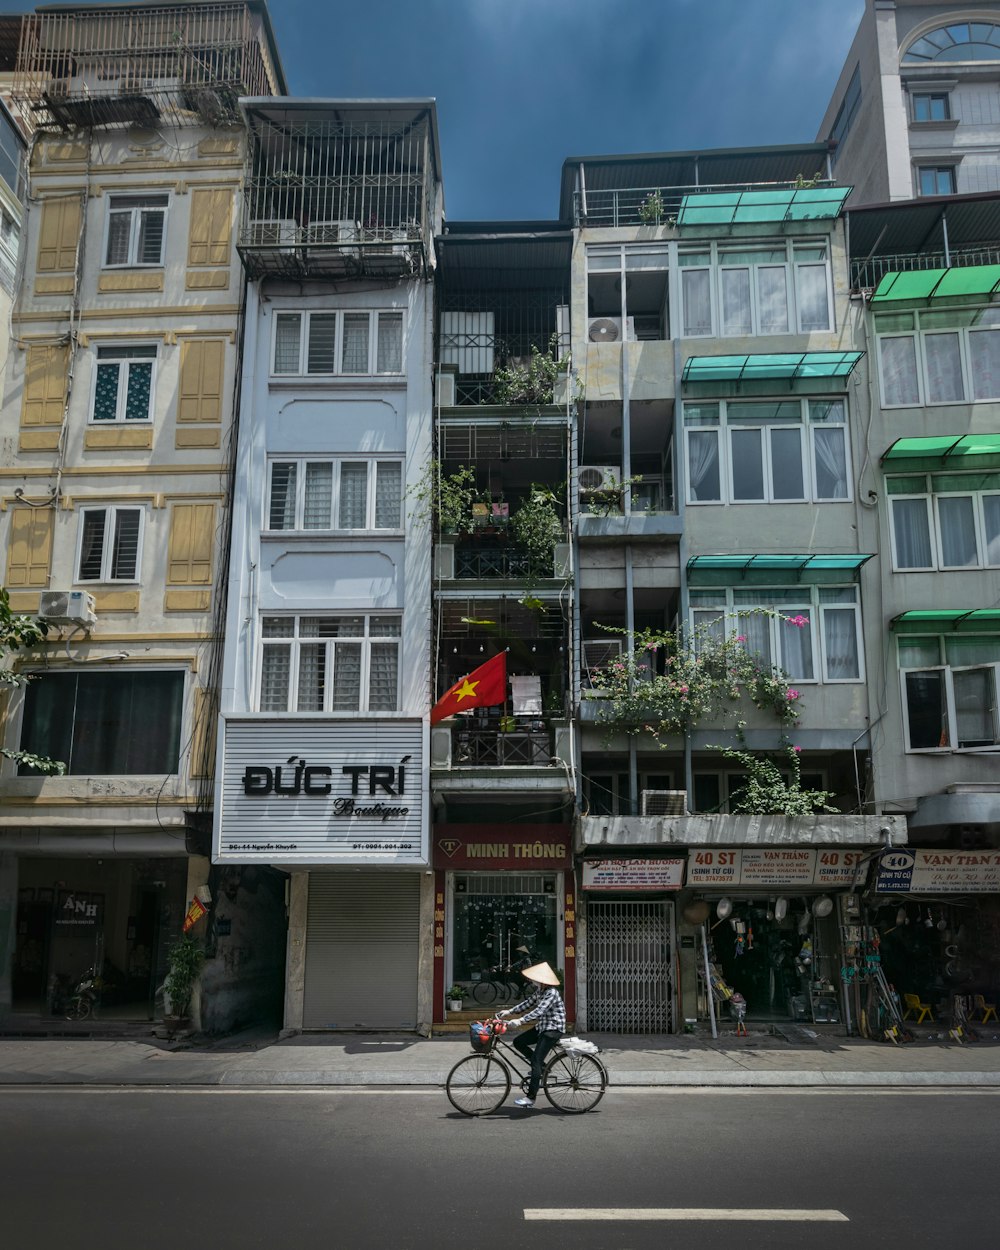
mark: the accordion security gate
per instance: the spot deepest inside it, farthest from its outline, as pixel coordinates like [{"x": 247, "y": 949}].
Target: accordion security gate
[{"x": 630, "y": 984}]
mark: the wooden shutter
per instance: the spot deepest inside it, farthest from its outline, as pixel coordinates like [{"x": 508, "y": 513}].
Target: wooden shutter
[
  {"x": 192, "y": 533},
  {"x": 29, "y": 552},
  {"x": 211, "y": 233},
  {"x": 59, "y": 234},
  {"x": 203, "y": 733},
  {"x": 45, "y": 384},
  {"x": 203, "y": 363}
]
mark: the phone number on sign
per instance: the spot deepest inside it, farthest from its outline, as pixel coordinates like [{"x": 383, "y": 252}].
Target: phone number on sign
[{"x": 381, "y": 846}]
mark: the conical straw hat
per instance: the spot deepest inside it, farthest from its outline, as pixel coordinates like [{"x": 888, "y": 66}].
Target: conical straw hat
[{"x": 541, "y": 973}]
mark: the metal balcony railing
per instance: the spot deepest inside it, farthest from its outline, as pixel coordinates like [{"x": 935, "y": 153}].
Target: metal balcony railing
[
  {"x": 631, "y": 206},
  {"x": 866, "y": 274},
  {"x": 500, "y": 562},
  {"x": 527, "y": 745}
]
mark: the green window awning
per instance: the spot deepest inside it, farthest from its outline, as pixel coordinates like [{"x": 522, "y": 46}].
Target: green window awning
[
  {"x": 944, "y": 451},
  {"x": 931, "y": 284},
  {"x": 793, "y": 366},
  {"x": 947, "y": 621},
  {"x": 733, "y": 208},
  {"x": 720, "y": 570}
]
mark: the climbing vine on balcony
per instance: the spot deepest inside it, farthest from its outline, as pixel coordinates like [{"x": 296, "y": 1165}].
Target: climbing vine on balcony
[{"x": 765, "y": 790}]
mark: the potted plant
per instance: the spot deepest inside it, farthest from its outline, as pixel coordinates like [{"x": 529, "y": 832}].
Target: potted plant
[
  {"x": 185, "y": 960},
  {"x": 446, "y": 498},
  {"x": 537, "y": 526},
  {"x": 454, "y": 996}
]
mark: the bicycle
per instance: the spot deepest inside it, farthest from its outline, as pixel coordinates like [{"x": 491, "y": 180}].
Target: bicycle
[
  {"x": 500, "y": 982},
  {"x": 572, "y": 1081}
]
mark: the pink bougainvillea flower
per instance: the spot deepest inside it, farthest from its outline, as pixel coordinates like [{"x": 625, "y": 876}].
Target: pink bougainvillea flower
[
  {"x": 800, "y": 620},
  {"x": 791, "y": 694},
  {"x": 684, "y": 689},
  {"x": 797, "y": 750},
  {"x": 741, "y": 637}
]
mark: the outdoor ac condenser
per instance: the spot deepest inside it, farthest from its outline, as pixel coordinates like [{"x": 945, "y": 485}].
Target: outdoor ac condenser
[
  {"x": 663, "y": 803},
  {"x": 67, "y": 607}
]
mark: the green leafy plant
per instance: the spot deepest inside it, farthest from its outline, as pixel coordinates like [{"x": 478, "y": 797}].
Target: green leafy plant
[
  {"x": 532, "y": 381},
  {"x": 18, "y": 632},
  {"x": 185, "y": 960},
  {"x": 446, "y": 498},
  {"x": 610, "y": 500},
  {"x": 537, "y": 525},
  {"x": 455, "y": 992},
  {"x": 802, "y": 183},
  {"x": 651, "y": 210},
  {"x": 765, "y": 792}
]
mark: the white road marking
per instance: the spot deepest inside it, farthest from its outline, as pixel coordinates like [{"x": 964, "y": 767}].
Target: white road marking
[{"x": 757, "y": 1214}]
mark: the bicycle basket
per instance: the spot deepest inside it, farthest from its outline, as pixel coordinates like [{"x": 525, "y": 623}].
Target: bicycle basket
[{"x": 481, "y": 1037}]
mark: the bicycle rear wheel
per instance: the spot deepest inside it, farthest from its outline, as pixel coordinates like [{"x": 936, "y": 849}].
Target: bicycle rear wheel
[
  {"x": 478, "y": 1084},
  {"x": 484, "y": 992},
  {"x": 574, "y": 1083}
]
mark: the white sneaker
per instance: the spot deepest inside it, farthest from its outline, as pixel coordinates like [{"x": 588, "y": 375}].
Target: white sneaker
[{"x": 524, "y": 1102}]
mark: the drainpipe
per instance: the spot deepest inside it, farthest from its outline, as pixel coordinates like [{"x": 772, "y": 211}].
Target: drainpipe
[
  {"x": 626, "y": 377},
  {"x": 680, "y": 497}
]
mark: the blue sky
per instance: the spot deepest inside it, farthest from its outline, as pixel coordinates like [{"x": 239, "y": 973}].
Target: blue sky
[{"x": 522, "y": 84}]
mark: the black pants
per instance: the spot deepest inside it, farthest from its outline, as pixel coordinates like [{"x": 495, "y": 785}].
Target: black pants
[{"x": 535, "y": 1047}]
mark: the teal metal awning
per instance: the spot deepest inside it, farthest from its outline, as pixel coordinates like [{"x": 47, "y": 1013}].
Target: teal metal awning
[
  {"x": 943, "y": 451},
  {"x": 948, "y": 621},
  {"x": 720, "y": 570},
  {"x": 793, "y": 366},
  {"x": 931, "y": 284},
  {"x": 733, "y": 208}
]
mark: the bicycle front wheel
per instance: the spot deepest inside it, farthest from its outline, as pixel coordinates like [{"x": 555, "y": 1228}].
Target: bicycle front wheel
[
  {"x": 574, "y": 1083},
  {"x": 478, "y": 1084},
  {"x": 484, "y": 992}
]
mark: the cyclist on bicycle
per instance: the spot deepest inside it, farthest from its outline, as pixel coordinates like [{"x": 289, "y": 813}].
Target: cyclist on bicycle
[{"x": 546, "y": 1011}]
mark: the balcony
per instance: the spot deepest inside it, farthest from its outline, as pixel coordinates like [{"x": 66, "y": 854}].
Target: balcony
[
  {"x": 666, "y": 205},
  {"x": 529, "y": 755},
  {"x": 493, "y": 558},
  {"x": 866, "y": 274}
]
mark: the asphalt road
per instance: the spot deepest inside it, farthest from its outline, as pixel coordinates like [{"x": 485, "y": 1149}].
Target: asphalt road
[{"x": 345, "y": 1169}]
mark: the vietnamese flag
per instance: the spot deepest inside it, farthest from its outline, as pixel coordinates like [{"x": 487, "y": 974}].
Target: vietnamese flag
[{"x": 485, "y": 686}]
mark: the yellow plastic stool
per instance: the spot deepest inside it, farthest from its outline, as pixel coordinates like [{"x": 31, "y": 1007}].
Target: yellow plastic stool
[
  {"x": 913, "y": 1003},
  {"x": 988, "y": 1009}
]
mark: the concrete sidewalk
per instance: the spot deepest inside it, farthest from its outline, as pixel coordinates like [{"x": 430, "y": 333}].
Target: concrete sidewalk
[{"x": 259, "y": 1059}]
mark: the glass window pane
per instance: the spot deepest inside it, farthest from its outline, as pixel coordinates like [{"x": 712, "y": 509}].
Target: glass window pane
[
  {"x": 755, "y": 629},
  {"x": 963, "y": 650},
  {"x": 312, "y": 676},
  {"x": 92, "y": 544},
  {"x": 796, "y": 647},
  {"x": 840, "y": 642},
  {"x": 956, "y": 516},
  {"x": 786, "y": 464},
  {"x": 912, "y": 534},
  {"x": 388, "y": 495},
  {"x": 355, "y": 358},
  {"x": 140, "y": 378},
  {"x": 106, "y": 392},
  {"x": 703, "y": 465},
  {"x": 119, "y": 230},
  {"x": 150, "y": 250},
  {"x": 281, "y": 514},
  {"x": 125, "y": 554},
  {"x": 899, "y": 370},
  {"x": 390, "y": 343},
  {"x": 278, "y": 626},
  {"x": 810, "y": 289},
  {"x": 748, "y": 470},
  {"x": 316, "y": 512},
  {"x": 347, "y": 677},
  {"x": 276, "y": 667},
  {"x": 944, "y": 368},
  {"x": 353, "y": 494},
  {"x": 696, "y": 288},
  {"x": 384, "y": 677},
  {"x": 286, "y": 342},
  {"x": 926, "y": 710},
  {"x": 322, "y": 343},
  {"x": 975, "y": 707},
  {"x": 736, "y": 302},
  {"x": 991, "y": 524},
  {"x": 385, "y": 627},
  {"x": 984, "y": 352},
  {"x": 772, "y": 299},
  {"x": 831, "y": 462}
]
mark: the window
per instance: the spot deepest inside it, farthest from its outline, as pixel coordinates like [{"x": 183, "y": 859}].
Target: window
[
  {"x": 849, "y": 106},
  {"x": 102, "y": 723},
  {"x": 933, "y": 107},
  {"x": 337, "y": 343},
  {"x": 959, "y": 41},
  {"x": 10, "y": 238},
  {"x": 949, "y": 687},
  {"x": 778, "y": 288},
  {"x": 12, "y": 154},
  {"x": 136, "y": 229},
  {"x": 938, "y": 357},
  {"x": 330, "y": 664},
  {"x": 945, "y": 521},
  {"x": 763, "y": 452},
  {"x": 609, "y": 794},
  {"x": 335, "y": 494},
  {"x": 109, "y": 544},
  {"x": 123, "y": 384},
  {"x": 936, "y": 180},
  {"x": 816, "y": 635},
  {"x": 641, "y": 268},
  {"x": 716, "y": 792}
]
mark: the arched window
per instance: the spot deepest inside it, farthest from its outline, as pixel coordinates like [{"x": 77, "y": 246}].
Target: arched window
[{"x": 960, "y": 41}]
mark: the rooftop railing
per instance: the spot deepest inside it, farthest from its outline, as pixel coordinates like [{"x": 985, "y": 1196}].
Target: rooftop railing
[
  {"x": 866, "y": 274},
  {"x": 656, "y": 206}
]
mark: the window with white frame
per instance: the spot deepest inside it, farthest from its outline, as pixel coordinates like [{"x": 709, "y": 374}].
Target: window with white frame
[
  {"x": 348, "y": 493},
  {"x": 110, "y": 541},
  {"x": 945, "y": 520},
  {"x": 136, "y": 230},
  {"x": 329, "y": 664},
  {"x": 949, "y": 690},
  {"x": 938, "y": 356},
  {"x": 758, "y": 289},
  {"x": 628, "y": 279},
  {"x": 123, "y": 384},
  {"x": 772, "y": 451},
  {"x": 813, "y": 633},
  {"x": 337, "y": 344}
]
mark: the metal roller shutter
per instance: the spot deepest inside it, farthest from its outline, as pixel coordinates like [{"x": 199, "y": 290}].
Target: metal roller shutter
[{"x": 362, "y": 937}]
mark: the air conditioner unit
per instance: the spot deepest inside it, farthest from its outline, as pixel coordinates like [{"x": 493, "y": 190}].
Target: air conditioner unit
[
  {"x": 609, "y": 329},
  {"x": 273, "y": 232},
  {"x": 597, "y": 653},
  {"x": 598, "y": 477},
  {"x": 67, "y": 607},
  {"x": 344, "y": 231},
  {"x": 663, "y": 803}
]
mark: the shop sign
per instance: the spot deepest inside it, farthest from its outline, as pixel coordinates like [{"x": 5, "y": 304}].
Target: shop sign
[
  {"x": 322, "y": 791},
  {"x": 633, "y": 874},
  {"x": 492, "y": 848},
  {"x": 939, "y": 872},
  {"x": 771, "y": 866},
  {"x": 79, "y": 910}
]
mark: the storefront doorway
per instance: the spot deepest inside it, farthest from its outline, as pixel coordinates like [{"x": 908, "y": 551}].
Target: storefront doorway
[
  {"x": 630, "y": 983},
  {"x": 502, "y": 922}
]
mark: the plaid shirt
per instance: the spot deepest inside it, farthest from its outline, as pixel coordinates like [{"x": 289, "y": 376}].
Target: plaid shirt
[{"x": 544, "y": 1009}]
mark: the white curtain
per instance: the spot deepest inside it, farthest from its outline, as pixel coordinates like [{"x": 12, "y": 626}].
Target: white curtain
[
  {"x": 991, "y": 524},
  {"x": 831, "y": 462},
  {"x": 347, "y": 677},
  {"x": 390, "y": 343},
  {"x": 736, "y": 302},
  {"x": 388, "y": 495},
  {"x": 975, "y": 707},
  {"x": 984, "y": 351},
  {"x": 911, "y": 531},
  {"x": 355, "y": 357},
  {"x": 814, "y": 310},
  {"x": 772, "y": 299},
  {"x": 899, "y": 370},
  {"x": 319, "y": 496},
  {"x": 384, "y": 683},
  {"x": 840, "y": 640},
  {"x": 703, "y": 464},
  {"x": 944, "y": 368},
  {"x": 353, "y": 494},
  {"x": 697, "y": 290},
  {"x": 796, "y": 648},
  {"x": 956, "y": 515}
]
